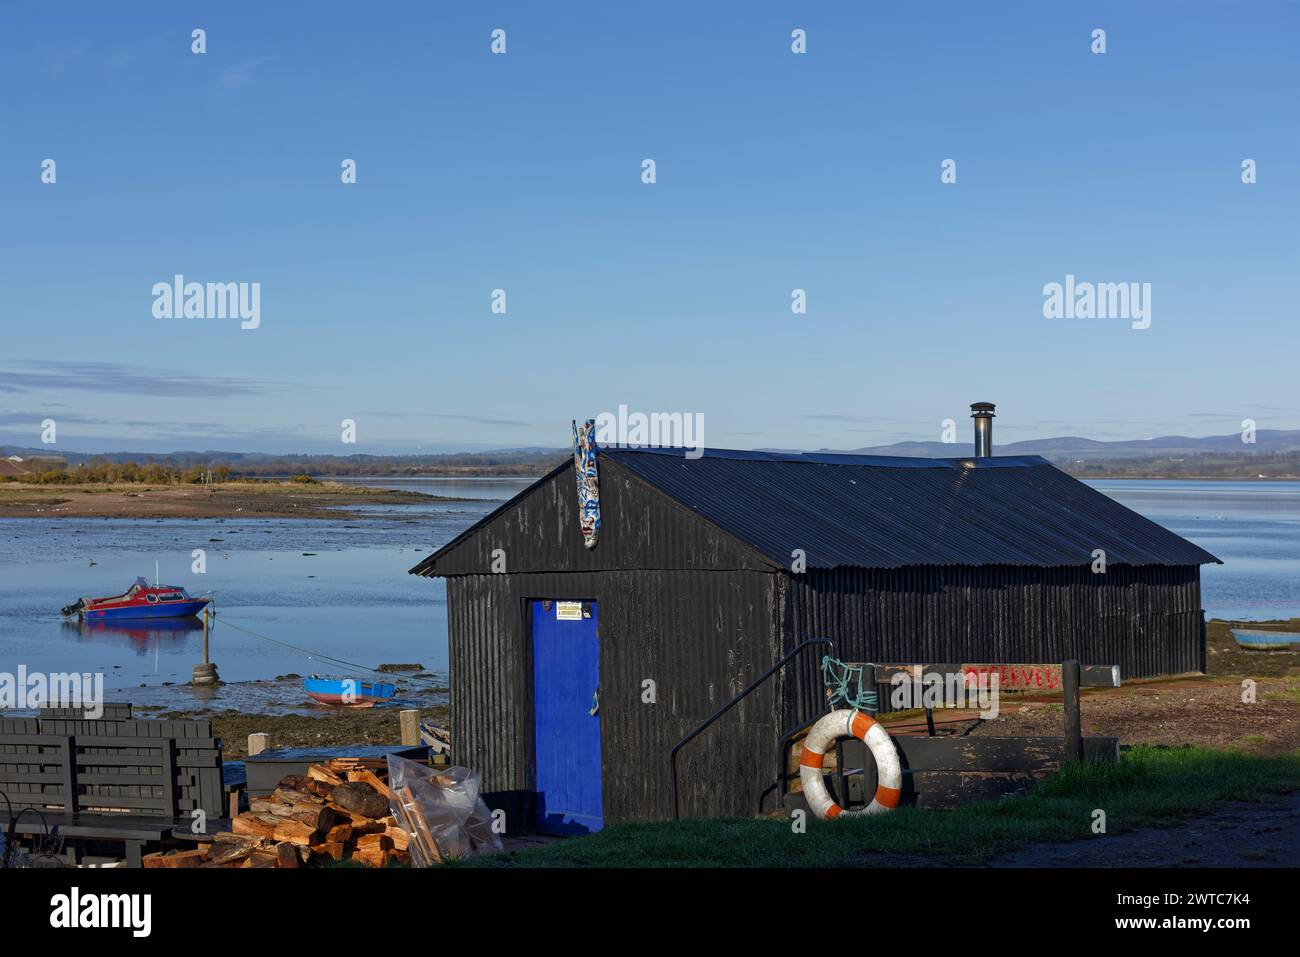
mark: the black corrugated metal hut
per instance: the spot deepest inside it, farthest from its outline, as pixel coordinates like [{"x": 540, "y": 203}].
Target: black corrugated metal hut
[{"x": 690, "y": 587}]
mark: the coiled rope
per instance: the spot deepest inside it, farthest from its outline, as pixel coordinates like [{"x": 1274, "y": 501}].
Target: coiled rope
[{"x": 837, "y": 677}]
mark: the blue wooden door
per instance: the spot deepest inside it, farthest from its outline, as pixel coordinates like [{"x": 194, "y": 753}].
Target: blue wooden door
[{"x": 566, "y": 679}]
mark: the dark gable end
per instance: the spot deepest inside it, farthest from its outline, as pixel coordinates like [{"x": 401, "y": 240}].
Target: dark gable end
[{"x": 641, "y": 528}]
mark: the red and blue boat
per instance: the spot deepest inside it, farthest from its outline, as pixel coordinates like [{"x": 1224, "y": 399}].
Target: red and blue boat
[
  {"x": 141, "y": 600},
  {"x": 348, "y": 692}
]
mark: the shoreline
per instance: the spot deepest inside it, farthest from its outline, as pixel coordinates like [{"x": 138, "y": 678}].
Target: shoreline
[
  {"x": 1158, "y": 710},
  {"x": 319, "y": 500}
]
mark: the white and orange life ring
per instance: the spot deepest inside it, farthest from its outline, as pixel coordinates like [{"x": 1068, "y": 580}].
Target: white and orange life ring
[{"x": 824, "y": 734}]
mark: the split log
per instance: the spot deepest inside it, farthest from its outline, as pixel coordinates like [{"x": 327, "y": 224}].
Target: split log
[
  {"x": 295, "y": 832},
  {"x": 286, "y": 855},
  {"x": 319, "y": 788},
  {"x": 317, "y": 816},
  {"x": 372, "y": 857},
  {"x": 421, "y": 834},
  {"x": 269, "y": 806},
  {"x": 401, "y": 840},
  {"x": 332, "y": 850},
  {"x": 255, "y": 825},
  {"x": 290, "y": 796},
  {"x": 338, "y": 833},
  {"x": 366, "y": 776},
  {"x": 339, "y": 765},
  {"x": 321, "y": 773},
  {"x": 360, "y": 799},
  {"x": 369, "y": 841},
  {"x": 230, "y": 853},
  {"x": 179, "y": 859}
]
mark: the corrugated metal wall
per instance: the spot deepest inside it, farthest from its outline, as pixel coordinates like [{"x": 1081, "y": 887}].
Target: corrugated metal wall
[
  {"x": 699, "y": 636},
  {"x": 1146, "y": 619}
]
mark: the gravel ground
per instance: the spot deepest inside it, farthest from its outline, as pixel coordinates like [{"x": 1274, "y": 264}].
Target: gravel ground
[{"x": 1201, "y": 711}]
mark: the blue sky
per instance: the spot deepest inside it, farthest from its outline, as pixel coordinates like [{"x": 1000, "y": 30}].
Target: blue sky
[{"x": 522, "y": 171}]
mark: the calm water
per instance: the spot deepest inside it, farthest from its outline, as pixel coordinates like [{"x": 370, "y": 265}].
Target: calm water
[
  {"x": 333, "y": 588},
  {"x": 1253, "y": 527},
  {"x": 352, "y": 598}
]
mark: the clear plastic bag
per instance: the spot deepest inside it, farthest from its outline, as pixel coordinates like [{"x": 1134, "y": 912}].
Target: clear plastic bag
[{"x": 441, "y": 810}]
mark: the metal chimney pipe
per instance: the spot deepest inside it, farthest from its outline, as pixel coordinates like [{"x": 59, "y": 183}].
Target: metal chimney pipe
[{"x": 982, "y": 413}]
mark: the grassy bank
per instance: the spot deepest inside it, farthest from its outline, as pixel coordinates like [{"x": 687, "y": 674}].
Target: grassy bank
[{"x": 1150, "y": 787}]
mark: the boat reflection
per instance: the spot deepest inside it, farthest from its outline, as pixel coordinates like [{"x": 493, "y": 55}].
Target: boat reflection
[{"x": 141, "y": 634}]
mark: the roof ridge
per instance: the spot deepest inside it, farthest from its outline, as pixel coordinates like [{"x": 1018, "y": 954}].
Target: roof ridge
[{"x": 835, "y": 458}]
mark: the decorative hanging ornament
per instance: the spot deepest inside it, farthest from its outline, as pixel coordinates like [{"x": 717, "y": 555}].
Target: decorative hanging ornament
[{"x": 584, "y": 468}]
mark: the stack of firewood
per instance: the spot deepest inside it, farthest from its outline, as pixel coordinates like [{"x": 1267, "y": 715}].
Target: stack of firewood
[{"x": 337, "y": 811}]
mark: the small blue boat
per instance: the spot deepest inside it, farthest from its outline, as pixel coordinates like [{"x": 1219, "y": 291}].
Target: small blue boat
[
  {"x": 348, "y": 692},
  {"x": 1257, "y": 640}
]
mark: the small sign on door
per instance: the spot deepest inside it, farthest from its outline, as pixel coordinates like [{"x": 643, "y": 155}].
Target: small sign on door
[{"x": 568, "y": 611}]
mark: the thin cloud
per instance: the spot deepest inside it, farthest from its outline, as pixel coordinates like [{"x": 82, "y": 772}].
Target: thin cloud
[
  {"x": 120, "y": 379},
  {"x": 34, "y": 419},
  {"x": 61, "y": 59},
  {"x": 455, "y": 417},
  {"x": 241, "y": 74}
]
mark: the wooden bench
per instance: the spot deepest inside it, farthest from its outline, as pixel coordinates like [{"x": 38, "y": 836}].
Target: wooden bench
[{"x": 113, "y": 779}]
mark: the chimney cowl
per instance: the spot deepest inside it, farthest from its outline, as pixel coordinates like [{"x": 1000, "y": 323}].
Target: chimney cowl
[{"x": 982, "y": 413}]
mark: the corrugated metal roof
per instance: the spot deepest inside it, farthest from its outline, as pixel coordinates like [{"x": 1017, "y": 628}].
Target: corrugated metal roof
[{"x": 884, "y": 512}]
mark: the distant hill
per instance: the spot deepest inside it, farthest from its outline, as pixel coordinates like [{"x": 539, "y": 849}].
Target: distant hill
[
  {"x": 1275, "y": 454},
  {"x": 1072, "y": 447}
]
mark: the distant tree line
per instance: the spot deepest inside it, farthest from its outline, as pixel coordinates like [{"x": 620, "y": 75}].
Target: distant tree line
[
  {"x": 101, "y": 472},
  {"x": 299, "y": 468},
  {"x": 1222, "y": 466},
  {"x": 460, "y": 464}
]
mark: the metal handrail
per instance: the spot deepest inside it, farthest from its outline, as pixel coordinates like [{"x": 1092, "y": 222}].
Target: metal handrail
[{"x": 781, "y": 663}]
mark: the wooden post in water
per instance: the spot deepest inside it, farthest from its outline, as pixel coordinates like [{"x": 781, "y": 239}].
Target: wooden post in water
[
  {"x": 205, "y": 673},
  {"x": 410, "y": 727},
  {"x": 258, "y": 742},
  {"x": 1073, "y": 718}
]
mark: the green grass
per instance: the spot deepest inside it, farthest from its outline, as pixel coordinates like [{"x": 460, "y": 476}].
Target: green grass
[{"x": 1149, "y": 787}]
